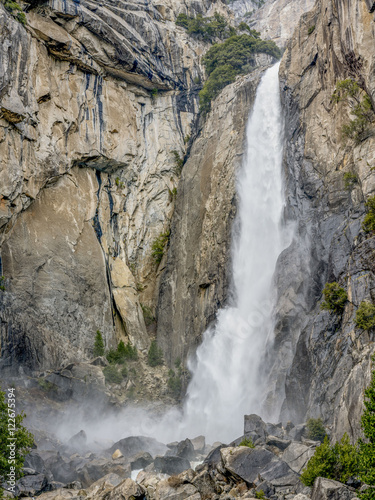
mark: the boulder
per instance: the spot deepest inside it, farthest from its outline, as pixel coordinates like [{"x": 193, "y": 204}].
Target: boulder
[
  {"x": 164, "y": 490},
  {"x": 126, "y": 490},
  {"x": 250, "y": 464},
  {"x": 78, "y": 441},
  {"x": 171, "y": 465},
  {"x": 204, "y": 484},
  {"x": 117, "y": 454},
  {"x": 32, "y": 485},
  {"x": 297, "y": 455},
  {"x": 132, "y": 445},
  {"x": 199, "y": 444},
  {"x": 185, "y": 449},
  {"x": 275, "y": 430},
  {"x": 297, "y": 432},
  {"x": 214, "y": 457},
  {"x": 328, "y": 489},
  {"x": 282, "y": 444},
  {"x": 140, "y": 461},
  {"x": 255, "y": 427}
]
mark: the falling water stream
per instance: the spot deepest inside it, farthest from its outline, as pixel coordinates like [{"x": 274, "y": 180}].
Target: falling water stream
[{"x": 226, "y": 381}]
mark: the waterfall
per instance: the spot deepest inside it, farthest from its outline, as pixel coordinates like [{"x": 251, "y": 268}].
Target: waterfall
[{"x": 226, "y": 381}]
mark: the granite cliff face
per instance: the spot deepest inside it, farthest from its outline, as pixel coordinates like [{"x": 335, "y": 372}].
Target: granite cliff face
[
  {"x": 324, "y": 359},
  {"x": 87, "y": 170}
]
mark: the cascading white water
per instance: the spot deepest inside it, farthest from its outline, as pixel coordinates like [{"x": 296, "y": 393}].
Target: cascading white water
[{"x": 226, "y": 382}]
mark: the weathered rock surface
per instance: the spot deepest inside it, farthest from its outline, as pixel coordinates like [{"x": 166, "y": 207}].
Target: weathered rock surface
[
  {"x": 327, "y": 489},
  {"x": 194, "y": 284},
  {"x": 81, "y": 138},
  {"x": 323, "y": 358}
]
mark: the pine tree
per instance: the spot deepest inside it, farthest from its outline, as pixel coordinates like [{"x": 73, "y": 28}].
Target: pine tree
[
  {"x": 12, "y": 431},
  {"x": 367, "y": 448},
  {"x": 99, "y": 344}
]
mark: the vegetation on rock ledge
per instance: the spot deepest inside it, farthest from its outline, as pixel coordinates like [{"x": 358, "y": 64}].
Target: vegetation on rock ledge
[
  {"x": 361, "y": 108},
  {"x": 224, "y": 61},
  {"x": 335, "y": 297},
  {"x": 368, "y": 224},
  {"x": 365, "y": 315}
]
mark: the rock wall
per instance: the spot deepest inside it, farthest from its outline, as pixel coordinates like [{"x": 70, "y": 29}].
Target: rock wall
[
  {"x": 322, "y": 358},
  {"x": 196, "y": 278},
  {"x": 94, "y": 98}
]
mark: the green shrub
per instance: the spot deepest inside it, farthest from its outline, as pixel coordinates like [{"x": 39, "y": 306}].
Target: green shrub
[
  {"x": 124, "y": 372},
  {"x": 154, "y": 94},
  {"x": 367, "y": 448},
  {"x": 174, "y": 383},
  {"x": 179, "y": 162},
  {"x": 147, "y": 315},
  {"x": 219, "y": 78},
  {"x": 119, "y": 183},
  {"x": 311, "y": 30},
  {"x": 365, "y": 316},
  {"x": 112, "y": 375},
  {"x": 2, "y": 281},
  {"x": 368, "y": 223},
  {"x": 16, "y": 10},
  {"x": 247, "y": 442},
  {"x": 335, "y": 297},
  {"x": 21, "y": 436},
  {"x": 123, "y": 352},
  {"x": 316, "y": 429},
  {"x": 158, "y": 246},
  {"x": 224, "y": 61},
  {"x": 362, "y": 110},
  {"x": 338, "y": 462},
  {"x": 260, "y": 494},
  {"x": 205, "y": 28},
  {"x": 155, "y": 354},
  {"x": 98, "y": 344},
  {"x": 350, "y": 179}
]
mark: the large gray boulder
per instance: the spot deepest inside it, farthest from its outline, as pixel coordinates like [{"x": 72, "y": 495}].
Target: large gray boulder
[
  {"x": 297, "y": 455},
  {"x": 133, "y": 445},
  {"x": 255, "y": 427},
  {"x": 171, "y": 465},
  {"x": 250, "y": 464},
  {"x": 328, "y": 489}
]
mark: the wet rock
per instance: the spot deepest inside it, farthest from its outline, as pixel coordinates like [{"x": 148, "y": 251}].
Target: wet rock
[
  {"x": 140, "y": 461},
  {"x": 78, "y": 441},
  {"x": 199, "y": 444},
  {"x": 171, "y": 465},
  {"x": 185, "y": 449},
  {"x": 328, "y": 489},
  {"x": 130, "y": 446}
]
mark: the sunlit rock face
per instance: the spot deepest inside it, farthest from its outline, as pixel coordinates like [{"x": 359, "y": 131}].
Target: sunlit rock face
[{"x": 93, "y": 100}]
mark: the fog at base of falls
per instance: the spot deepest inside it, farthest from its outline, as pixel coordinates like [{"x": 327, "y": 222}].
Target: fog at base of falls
[{"x": 227, "y": 380}]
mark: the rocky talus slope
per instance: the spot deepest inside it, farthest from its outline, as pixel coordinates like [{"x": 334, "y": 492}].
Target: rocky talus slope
[
  {"x": 322, "y": 358},
  {"x": 139, "y": 467}
]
